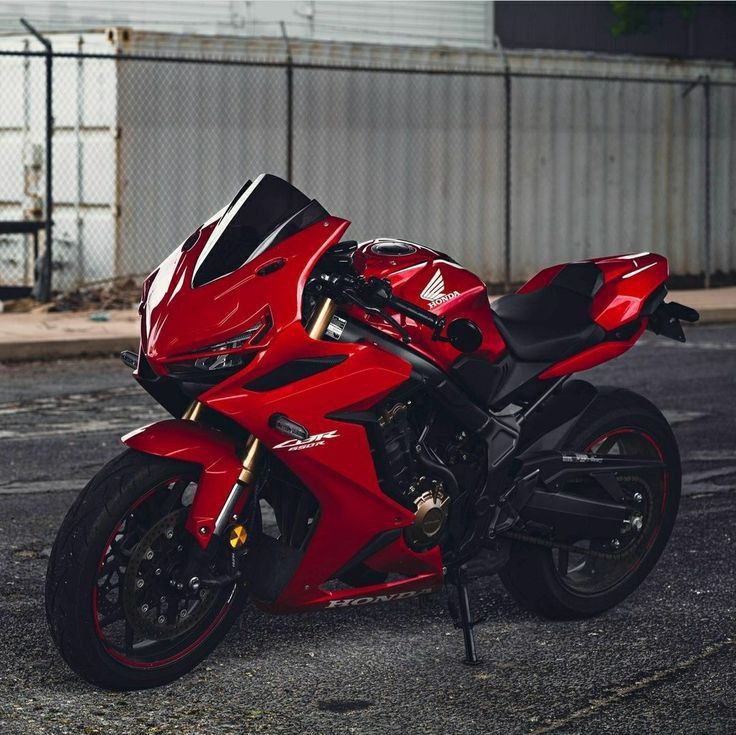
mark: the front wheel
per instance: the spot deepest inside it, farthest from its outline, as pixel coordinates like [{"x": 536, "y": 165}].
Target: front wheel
[
  {"x": 582, "y": 577},
  {"x": 117, "y": 610}
]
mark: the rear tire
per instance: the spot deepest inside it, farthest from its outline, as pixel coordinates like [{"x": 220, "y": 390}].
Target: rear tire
[
  {"x": 532, "y": 575},
  {"x": 80, "y": 556}
]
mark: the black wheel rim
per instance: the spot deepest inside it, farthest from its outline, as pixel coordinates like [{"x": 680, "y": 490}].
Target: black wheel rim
[
  {"x": 612, "y": 561},
  {"x": 141, "y": 616}
]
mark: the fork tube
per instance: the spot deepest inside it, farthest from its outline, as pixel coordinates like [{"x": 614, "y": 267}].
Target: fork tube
[
  {"x": 321, "y": 318},
  {"x": 253, "y": 447},
  {"x": 193, "y": 412}
]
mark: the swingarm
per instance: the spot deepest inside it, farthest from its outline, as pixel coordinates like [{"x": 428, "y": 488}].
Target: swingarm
[{"x": 572, "y": 494}]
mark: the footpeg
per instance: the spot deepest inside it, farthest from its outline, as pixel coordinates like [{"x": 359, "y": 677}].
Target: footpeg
[{"x": 488, "y": 561}]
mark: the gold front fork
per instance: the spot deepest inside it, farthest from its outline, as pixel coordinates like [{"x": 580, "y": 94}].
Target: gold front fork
[{"x": 315, "y": 329}]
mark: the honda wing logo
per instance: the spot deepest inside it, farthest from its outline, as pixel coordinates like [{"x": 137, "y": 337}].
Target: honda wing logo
[
  {"x": 435, "y": 288},
  {"x": 434, "y": 291}
]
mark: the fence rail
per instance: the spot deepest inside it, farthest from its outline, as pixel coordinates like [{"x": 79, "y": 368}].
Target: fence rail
[{"x": 508, "y": 170}]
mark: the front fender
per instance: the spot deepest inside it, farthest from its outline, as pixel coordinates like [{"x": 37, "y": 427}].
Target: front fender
[{"x": 215, "y": 452}]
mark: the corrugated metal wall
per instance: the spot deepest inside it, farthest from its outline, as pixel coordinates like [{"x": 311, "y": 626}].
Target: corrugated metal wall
[
  {"x": 723, "y": 205},
  {"x": 411, "y": 156},
  {"x": 146, "y": 149},
  {"x": 190, "y": 136},
  {"x": 603, "y": 168}
]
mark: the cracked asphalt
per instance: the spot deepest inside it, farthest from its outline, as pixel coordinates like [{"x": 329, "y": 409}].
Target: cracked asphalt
[{"x": 663, "y": 661}]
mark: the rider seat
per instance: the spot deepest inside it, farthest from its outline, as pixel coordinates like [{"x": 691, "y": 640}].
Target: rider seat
[{"x": 552, "y": 322}]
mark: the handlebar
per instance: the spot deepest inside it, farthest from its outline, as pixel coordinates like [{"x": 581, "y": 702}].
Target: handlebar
[
  {"x": 374, "y": 295},
  {"x": 415, "y": 312}
]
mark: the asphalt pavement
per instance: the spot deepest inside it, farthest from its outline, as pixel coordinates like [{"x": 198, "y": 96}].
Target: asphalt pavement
[{"x": 663, "y": 661}]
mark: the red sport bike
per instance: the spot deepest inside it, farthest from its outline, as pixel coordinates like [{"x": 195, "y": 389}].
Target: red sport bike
[{"x": 354, "y": 424}]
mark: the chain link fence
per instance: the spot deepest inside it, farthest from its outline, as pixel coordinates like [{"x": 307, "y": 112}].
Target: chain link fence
[{"x": 508, "y": 171}]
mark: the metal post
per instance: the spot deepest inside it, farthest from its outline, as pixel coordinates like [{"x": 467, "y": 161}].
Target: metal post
[
  {"x": 706, "y": 253},
  {"x": 507, "y": 167},
  {"x": 705, "y": 81},
  {"x": 507, "y": 182},
  {"x": 78, "y": 125},
  {"x": 29, "y": 264},
  {"x": 44, "y": 290},
  {"x": 289, "y": 106}
]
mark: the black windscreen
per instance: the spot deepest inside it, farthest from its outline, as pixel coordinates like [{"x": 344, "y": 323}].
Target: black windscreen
[{"x": 272, "y": 203}]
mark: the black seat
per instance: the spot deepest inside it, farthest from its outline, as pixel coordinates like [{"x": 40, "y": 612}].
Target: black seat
[{"x": 553, "y": 322}]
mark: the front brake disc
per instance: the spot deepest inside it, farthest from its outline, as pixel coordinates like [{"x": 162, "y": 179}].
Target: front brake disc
[{"x": 156, "y": 603}]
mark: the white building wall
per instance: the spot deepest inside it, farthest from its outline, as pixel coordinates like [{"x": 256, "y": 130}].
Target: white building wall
[{"x": 405, "y": 22}]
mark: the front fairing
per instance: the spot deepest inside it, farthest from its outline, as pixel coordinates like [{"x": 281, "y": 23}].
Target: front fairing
[{"x": 180, "y": 321}]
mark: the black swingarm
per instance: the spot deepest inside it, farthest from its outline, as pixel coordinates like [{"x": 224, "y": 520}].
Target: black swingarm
[{"x": 571, "y": 494}]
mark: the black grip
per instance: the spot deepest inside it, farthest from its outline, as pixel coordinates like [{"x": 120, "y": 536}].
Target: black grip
[{"x": 415, "y": 312}]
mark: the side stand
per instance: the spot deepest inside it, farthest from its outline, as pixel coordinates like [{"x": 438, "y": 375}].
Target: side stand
[{"x": 462, "y": 616}]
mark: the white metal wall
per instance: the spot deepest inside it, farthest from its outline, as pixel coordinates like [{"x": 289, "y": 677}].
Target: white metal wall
[
  {"x": 85, "y": 131},
  {"x": 458, "y": 22},
  {"x": 15, "y": 256}
]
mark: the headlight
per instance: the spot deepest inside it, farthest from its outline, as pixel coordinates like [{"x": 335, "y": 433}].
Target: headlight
[
  {"x": 228, "y": 361},
  {"x": 235, "y": 342},
  {"x": 219, "y": 362}
]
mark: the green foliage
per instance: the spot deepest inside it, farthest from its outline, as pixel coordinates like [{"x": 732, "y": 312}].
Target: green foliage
[{"x": 638, "y": 17}]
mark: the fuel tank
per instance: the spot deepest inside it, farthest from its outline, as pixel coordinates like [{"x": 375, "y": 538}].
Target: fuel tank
[{"x": 435, "y": 282}]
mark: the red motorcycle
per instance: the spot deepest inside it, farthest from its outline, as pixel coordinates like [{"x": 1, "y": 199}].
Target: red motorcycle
[{"x": 354, "y": 424}]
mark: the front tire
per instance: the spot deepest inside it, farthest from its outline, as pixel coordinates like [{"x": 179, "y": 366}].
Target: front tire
[
  {"x": 568, "y": 584},
  {"x": 114, "y": 619}
]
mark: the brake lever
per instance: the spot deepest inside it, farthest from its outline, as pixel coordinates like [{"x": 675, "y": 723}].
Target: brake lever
[
  {"x": 347, "y": 287},
  {"x": 405, "y": 336}
]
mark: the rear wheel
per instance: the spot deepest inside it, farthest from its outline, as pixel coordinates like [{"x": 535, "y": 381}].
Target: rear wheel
[
  {"x": 587, "y": 576},
  {"x": 115, "y": 603}
]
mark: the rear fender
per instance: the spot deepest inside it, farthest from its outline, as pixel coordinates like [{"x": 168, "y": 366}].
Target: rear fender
[{"x": 213, "y": 451}]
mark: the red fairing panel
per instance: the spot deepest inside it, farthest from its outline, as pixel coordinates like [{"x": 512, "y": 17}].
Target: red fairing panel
[
  {"x": 629, "y": 280},
  {"x": 593, "y": 356},
  {"x": 183, "y": 321},
  {"x": 336, "y": 464},
  {"x": 542, "y": 279},
  {"x": 429, "y": 280}
]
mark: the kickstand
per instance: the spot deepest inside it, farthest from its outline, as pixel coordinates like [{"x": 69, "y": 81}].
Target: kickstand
[{"x": 463, "y": 618}]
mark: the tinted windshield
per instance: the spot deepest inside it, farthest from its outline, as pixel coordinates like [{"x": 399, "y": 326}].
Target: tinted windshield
[{"x": 262, "y": 214}]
